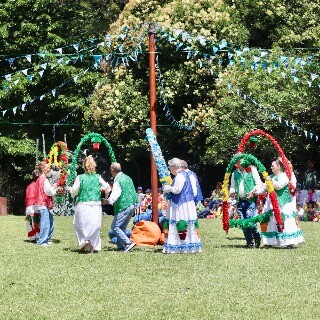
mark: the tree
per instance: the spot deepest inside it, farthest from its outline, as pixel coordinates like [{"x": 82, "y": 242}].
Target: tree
[
  {"x": 196, "y": 84},
  {"x": 47, "y": 70}
]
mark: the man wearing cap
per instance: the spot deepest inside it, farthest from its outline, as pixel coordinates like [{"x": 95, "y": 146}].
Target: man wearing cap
[
  {"x": 124, "y": 199},
  {"x": 247, "y": 185}
]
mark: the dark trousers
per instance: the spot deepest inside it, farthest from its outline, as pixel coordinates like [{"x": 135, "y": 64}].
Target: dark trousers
[{"x": 247, "y": 210}]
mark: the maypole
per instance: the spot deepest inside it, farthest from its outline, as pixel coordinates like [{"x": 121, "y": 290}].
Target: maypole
[{"x": 153, "y": 119}]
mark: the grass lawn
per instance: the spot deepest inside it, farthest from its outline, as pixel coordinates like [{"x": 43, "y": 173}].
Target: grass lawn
[{"x": 226, "y": 281}]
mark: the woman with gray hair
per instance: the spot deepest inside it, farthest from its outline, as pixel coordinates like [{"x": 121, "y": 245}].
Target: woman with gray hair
[{"x": 182, "y": 217}]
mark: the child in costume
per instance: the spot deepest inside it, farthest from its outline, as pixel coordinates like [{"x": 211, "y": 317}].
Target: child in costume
[{"x": 32, "y": 216}]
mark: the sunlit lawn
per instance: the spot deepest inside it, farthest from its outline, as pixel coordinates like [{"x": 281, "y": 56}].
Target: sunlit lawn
[{"x": 226, "y": 281}]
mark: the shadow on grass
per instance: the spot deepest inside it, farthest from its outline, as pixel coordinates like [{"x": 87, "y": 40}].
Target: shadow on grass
[
  {"x": 235, "y": 238},
  {"x": 34, "y": 241},
  {"x": 55, "y": 240},
  {"x": 148, "y": 249},
  {"x": 241, "y": 246},
  {"x": 77, "y": 251},
  {"x": 30, "y": 241}
]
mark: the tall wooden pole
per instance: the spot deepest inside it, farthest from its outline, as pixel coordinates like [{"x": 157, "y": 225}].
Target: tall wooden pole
[{"x": 153, "y": 119}]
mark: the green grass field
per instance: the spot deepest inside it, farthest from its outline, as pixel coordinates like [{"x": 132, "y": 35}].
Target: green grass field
[{"x": 226, "y": 281}]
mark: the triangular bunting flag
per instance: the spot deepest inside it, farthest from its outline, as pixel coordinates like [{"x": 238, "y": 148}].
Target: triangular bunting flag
[
  {"x": 43, "y": 66},
  {"x": 11, "y": 60},
  {"x": 97, "y": 58},
  {"x": 41, "y": 73},
  {"x": 24, "y": 71},
  {"x": 23, "y": 106},
  {"x": 223, "y": 44},
  {"x": 59, "y": 50},
  {"x": 30, "y": 77},
  {"x": 53, "y": 92},
  {"x": 313, "y": 76},
  {"x": 41, "y": 97},
  {"x": 14, "y": 110},
  {"x": 76, "y": 46},
  {"x": 8, "y": 77},
  {"x": 283, "y": 59},
  {"x": 28, "y": 57},
  {"x": 215, "y": 49}
]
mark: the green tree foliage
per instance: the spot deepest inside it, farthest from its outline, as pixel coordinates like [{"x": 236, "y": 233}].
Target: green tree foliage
[
  {"x": 197, "y": 88},
  {"x": 51, "y": 45}
]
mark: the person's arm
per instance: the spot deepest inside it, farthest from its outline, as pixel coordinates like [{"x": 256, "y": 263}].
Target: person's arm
[
  {"x": 193, "y": 184},
  {"x": 280, "y": 181},
  {"x": 177, "y": 185},
  {"x": 115, "y": 194},
  {"x": 259, "y": 186},
  {"x": 49, "y": 190},
  {"x": 104, "y": 185},
  {"x": 74, "y": 190},
  {"x": 232, "y": 184}
]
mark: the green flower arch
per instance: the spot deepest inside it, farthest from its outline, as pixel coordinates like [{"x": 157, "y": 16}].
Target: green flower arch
[{"x": 95, "y": 137}]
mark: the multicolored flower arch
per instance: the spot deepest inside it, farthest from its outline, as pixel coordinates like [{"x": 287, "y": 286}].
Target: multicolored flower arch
[
  {"x": 58, "y": 156},
  {"x": 95, "y": 138},
  {"x": 251, "y": 136},
  {"x": 246, "y": 161}
]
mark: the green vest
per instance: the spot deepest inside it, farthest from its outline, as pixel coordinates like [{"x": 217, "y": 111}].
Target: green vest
[
  {"x": 248, "y": 182},
  {"x": 247, "y": 178},
  {"x": 128, "y": 195},
  {"x": 89, "y": 188},
  {"x": 283, "y": 194}
]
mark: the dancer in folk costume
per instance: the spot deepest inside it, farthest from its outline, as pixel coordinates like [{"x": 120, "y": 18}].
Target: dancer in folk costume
[
  {"x": 247, "y": 185},
  {"x": 88, "y": 211},
  {"x": 124, "y": 199},
  {"x": 43, "y": 202},
  {"x": 181, "y": 213},
  {"x": 291, "y": 234},
  {"x": 198, "y": 197},
  {"x": 32, "y": 216}
]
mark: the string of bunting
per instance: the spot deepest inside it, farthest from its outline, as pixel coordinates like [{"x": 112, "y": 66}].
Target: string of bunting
[
  {"x": 122, "y": 54},
  {"x": 29, "y": 56},
  {"x": 163, "y": 101},
  {"x": 51, "y": 93},
  {"x": 189, "y": 44},
  {"x": 274, "y": 115},
  {"x": 105, "y": 40},
  {"x": 73, "y": 112},
  {"x": 44, "y": 66},
  {"x": 63, "y": 120}
]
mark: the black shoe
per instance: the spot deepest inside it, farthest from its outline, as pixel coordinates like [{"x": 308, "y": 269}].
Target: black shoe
[
  {"x": 249, "y": 245},
  {"x": 257, "y": 243}
]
